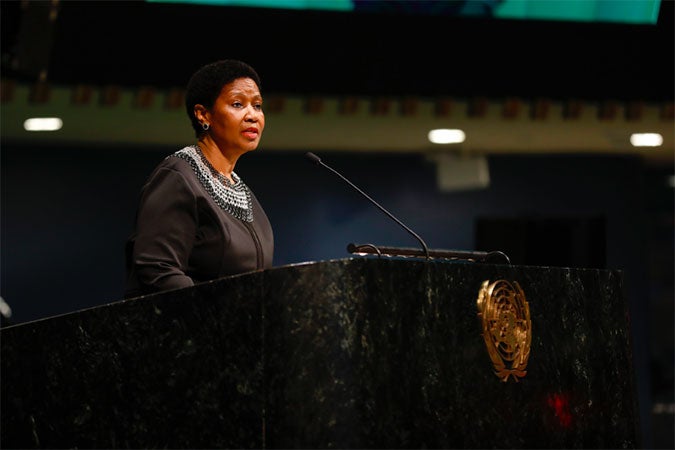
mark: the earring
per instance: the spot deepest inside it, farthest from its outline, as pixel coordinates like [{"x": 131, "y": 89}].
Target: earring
[{"x": 205, "y": 126}]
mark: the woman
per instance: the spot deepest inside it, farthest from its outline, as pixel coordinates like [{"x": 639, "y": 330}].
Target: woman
[{"x": 196, "y": 218}]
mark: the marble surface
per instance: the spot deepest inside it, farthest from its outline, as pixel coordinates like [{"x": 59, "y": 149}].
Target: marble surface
[{"x": 351, "y": 353}]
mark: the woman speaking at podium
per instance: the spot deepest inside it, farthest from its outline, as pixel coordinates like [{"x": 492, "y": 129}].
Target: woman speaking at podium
[{"x": 196, "y": 219}]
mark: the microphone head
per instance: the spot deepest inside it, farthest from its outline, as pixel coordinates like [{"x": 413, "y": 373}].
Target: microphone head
[{"x": 312, "y": 157}]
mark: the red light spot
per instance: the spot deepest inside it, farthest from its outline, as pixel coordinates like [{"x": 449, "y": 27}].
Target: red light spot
[{"x": 561, "y": 407}]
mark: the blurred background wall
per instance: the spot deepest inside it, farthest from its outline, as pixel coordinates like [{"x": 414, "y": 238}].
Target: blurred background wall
[{"x": 547, "y": 173}]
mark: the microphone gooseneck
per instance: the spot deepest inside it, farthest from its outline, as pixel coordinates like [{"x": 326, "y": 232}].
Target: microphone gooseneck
[{"x": 316, "y": 160}]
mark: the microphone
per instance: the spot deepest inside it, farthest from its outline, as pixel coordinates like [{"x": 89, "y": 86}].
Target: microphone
[{"x": 316, "y": 160}]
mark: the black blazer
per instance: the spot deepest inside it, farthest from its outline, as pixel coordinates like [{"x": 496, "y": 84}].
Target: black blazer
[{"x": 182, "y": 236}]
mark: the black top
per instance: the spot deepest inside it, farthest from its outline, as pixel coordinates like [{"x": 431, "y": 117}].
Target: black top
[{"x": 184, "y": 234}]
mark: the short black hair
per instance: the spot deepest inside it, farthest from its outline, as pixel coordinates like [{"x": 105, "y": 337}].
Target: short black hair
[{"x": 206, "y": 83}]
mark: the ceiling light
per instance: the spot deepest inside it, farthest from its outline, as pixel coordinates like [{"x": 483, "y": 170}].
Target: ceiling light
[
  {"x": 43, "y": 124},
  {"x": 646, "y": 139},
  {"x": 446, "y": 136}
]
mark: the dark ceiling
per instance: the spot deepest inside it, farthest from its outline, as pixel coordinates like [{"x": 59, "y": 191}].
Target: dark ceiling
[{"x": 132, "y": 43}]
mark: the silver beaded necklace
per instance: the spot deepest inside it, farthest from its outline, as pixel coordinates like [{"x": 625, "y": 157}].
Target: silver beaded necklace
[{"x": 234, "y": 198}]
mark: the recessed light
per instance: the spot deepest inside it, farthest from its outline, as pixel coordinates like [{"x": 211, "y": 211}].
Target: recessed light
[
  {"x": 43, "y": 124},
  {"x": 446, "y": 136},
  {"x": 646, "y": 139}
]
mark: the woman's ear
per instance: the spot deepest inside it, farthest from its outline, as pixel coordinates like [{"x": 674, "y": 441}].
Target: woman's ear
[{"x": 200, "y": 113}]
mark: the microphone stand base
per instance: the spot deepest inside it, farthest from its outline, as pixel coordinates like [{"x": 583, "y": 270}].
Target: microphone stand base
[{"x": 463, "y": 255}]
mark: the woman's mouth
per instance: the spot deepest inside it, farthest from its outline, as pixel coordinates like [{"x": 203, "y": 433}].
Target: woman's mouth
[{"x": 250, "y": 133}]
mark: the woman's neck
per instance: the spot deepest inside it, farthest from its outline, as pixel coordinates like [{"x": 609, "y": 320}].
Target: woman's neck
[{"x": 220, "y": 161}]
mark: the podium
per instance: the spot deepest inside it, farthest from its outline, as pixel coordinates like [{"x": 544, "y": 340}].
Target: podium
[{"x": 349, "y": 353}]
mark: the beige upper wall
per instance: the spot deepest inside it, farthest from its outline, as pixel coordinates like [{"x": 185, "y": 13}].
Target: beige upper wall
[{"x": 291, "y": 127}]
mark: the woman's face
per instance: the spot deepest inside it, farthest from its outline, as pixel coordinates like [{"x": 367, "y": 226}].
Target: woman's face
[{"x": 237, "y": 119}]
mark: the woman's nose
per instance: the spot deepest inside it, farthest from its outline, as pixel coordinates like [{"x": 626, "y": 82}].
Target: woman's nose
[{"x": 252, "y": 113}]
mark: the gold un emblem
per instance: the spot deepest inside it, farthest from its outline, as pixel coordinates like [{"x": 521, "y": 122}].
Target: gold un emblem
[{"x": 505, "y": 317}]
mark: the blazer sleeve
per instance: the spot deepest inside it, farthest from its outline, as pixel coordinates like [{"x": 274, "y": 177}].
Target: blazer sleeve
[{"x": 166, "y": 223}]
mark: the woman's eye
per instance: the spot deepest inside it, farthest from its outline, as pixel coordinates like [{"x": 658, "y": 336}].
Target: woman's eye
[
  {"x": 258, "y": 106},
  {"x": 236, "y": 104}
]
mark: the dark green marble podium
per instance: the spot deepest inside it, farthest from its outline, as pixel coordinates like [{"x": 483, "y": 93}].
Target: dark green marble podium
[{"x": 350, "y": 353}]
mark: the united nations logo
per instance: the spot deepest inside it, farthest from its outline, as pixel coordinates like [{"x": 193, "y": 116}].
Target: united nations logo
[{"x": 505, "y": 318}]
